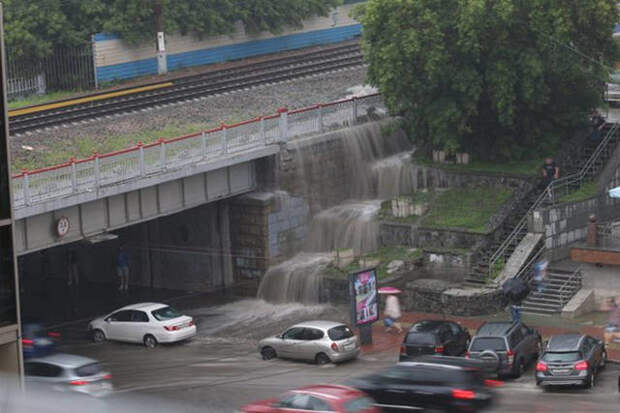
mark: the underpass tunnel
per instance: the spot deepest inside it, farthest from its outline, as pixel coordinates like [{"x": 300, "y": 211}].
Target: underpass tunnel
[{"x": 181, "y": 254}]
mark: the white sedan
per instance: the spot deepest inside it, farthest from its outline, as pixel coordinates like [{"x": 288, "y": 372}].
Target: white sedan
[{"x": 148, "y": 323}]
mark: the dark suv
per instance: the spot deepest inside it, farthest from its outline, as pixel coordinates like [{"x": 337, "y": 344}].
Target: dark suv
[
  {"x": 511, "y": 345},
  {"x": 434, "y": 337},
  {"x": 571, "y": 359}
]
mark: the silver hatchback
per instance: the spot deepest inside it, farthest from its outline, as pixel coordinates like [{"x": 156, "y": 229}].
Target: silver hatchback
[
  {"x": 318, "y": 341},
  {"x": 67, "y": 372}
]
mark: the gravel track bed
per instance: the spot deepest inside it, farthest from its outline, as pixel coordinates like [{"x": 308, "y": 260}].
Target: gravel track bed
[{"x": 47, "y": 147}]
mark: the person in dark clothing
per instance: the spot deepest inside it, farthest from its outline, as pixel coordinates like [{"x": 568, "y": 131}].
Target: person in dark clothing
[
  {"x": 550, "y": 171},
  {"x": 598, "y": 123},
  {"x": 73, "y": 269},
  {"x": 122, "y": 269}
]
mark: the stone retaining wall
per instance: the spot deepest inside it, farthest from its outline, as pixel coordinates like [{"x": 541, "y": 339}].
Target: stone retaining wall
[
  {"x": 435, "y": 296},
  {"x": 566, "y": 224}
]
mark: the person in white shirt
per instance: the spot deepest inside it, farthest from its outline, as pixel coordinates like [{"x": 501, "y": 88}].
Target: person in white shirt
[{"x": 392, "y": 314}]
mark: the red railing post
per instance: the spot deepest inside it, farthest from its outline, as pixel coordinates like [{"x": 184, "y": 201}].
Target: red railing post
[
  {"x": 283, "y": 124},
  {"x": 73, "y": 176},
  {"x": 26, "y": 187},
  {"x": 141, "y": 158},
  {"x": 97, "y": 171},
  {"x": 224, "y": 139}
]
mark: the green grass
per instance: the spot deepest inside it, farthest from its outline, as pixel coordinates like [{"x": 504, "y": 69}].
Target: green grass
[
  {"x": 468, "y": 208},
  {"x": 587, "y": 190},
  {"x": 384, "y": 256},
  {"x": 39, "y": 100}
]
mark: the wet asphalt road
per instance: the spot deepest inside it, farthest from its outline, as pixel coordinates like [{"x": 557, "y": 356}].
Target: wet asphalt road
[{"x": 220, "y": 369}]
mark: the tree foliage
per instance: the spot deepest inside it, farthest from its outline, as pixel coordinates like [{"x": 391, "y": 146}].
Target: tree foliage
[
  {"x": 33, "y": 27},
  {"x": 491, "y": 77}
]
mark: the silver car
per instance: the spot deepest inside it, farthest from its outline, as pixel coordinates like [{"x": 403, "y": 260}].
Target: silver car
[
  {"x": 318, "y": 341},
  {"x": 66, "y": 372}
]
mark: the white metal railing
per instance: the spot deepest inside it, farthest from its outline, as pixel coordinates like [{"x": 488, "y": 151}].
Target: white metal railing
[
  {"x": 553, "y": 189},
  {"x": 87, "y": 175}
]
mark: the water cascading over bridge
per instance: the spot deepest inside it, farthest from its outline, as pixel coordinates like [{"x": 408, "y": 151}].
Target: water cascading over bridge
[{"x": 375, "y": 165}]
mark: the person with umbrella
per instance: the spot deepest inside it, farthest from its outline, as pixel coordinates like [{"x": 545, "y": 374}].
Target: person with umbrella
[
  {"x": 392, "y": 309},
  {"x": 515, "y": 291}
]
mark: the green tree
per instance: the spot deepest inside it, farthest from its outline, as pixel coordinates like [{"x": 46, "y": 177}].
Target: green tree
[
  {"x": 34, "y": 27},
  {"x": 493, "y": 77}
]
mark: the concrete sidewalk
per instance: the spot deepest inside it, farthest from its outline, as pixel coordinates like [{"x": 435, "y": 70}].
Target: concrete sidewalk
[{"x": 592, "y": 324}]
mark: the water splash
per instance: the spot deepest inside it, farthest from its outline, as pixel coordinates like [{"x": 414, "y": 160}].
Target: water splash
[
  {"x": 395, "y": 175},
  {"x": 294, "y": 280},
  {"x": 350, "y": 225}
]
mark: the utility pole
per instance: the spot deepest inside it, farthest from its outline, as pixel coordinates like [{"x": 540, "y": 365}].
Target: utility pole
[{"x": 162, "y": 66}]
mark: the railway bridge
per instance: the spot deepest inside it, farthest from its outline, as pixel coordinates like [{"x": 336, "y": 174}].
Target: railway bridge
[{"x": 88, "y": 198}]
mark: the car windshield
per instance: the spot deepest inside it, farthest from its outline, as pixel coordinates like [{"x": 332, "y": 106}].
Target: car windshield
[
  {"x": 358, "y": 405},
  {"x": 563, "y": 357},
  {"x": 488, "y": 343},
  {"x": 421, "y": 339},
  {"x": 165, "y": 313},
  {"x": 89, "y": 370},
  {"x": 339, "y": 333}
]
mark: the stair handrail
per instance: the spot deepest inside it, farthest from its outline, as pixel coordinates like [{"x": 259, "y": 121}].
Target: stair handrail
[
  {"x": 550, "y": 189},
  {"x": 575, "y": 274},
  {"x": 582, "y": 173},
  {"x": 528, "y": 265}
]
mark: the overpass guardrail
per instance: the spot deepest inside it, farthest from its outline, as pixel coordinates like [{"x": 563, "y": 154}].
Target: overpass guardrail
[{"x": 142, "y": 160}]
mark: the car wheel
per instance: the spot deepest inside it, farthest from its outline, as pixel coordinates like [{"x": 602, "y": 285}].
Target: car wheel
[
  {"x": 322, "y": 359},
  {"x": 268, "y": 353},
  {"x": 98, "y": 336},
  {"x": 150, "y": 341},
  {"x": 603, "y": 360}
]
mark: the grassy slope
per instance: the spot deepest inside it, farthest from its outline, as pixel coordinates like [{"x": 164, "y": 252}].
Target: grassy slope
[{"x": 469, "y": 208}]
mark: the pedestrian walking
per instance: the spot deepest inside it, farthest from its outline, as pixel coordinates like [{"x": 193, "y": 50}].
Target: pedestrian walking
[
  {"x": 598, "y": 124},
  {"x": 515, "y": 312},
  {"x": 122, "y": 268},
  {"x": 540, "y": 273},
  {"x": 73, "y": 270},
  {"x": 550, "y": 172},
  {"x": 392, "y": 314}
]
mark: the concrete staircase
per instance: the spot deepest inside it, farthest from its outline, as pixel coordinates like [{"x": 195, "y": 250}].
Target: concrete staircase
[
  {"x": 591, "y": 159},
  {"x": 559, "y": 287}
]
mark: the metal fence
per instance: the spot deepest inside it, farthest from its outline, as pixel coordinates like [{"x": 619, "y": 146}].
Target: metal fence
[
  {"x": 67, "y": 68},
  {"x": 86, "y": 175}
]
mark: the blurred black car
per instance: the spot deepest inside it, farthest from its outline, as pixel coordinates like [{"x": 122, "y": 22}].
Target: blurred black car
[
  {"x": 571, "y": 359},
  {"x": 37, "y": 341},
  {"x": 512, "y": 345},
  {"x": 417, "y": 385},
  {"x": 434, "y": 337}
]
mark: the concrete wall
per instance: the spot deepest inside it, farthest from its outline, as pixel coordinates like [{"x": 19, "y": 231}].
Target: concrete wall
[
  {"x": 115, "y": 59},
  {"x": 266, "y": 228},
  {"x": 565, "y": 224}
]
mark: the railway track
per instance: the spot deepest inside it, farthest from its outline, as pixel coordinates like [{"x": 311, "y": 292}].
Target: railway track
[{"x": 185, "y": 89}]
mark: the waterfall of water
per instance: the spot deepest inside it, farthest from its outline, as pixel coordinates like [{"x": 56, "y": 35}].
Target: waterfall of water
[
  {"x": 375, "y": 165},
  {"x": 294, "y": 280},
  {"x": 350, "y": 225}
]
